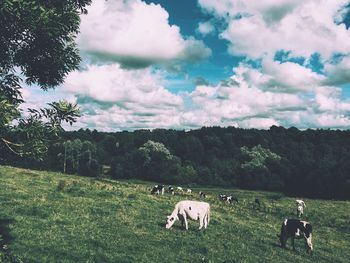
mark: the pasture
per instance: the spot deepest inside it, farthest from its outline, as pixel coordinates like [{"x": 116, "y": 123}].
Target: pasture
[{"x": 51, "y": 217}]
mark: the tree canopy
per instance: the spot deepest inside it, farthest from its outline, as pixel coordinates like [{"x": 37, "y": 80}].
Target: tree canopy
[{"x": 37, "y": 46}]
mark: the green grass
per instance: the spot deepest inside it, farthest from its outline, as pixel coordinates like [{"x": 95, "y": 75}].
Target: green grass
[{"x": 51, "y": 217}]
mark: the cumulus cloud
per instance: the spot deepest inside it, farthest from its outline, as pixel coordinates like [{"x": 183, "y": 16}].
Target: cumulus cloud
[
  {"x": 247, "y": 100},
  {"x": 260, "y": 28},
  {"x": 112, "y": 96},
  {"x": 261, "y": 91},
  {"x": 295, "y": 91},
  {"x": 136, "y": 34},
  {"x": 205, "y": 28},
  {"x": 338, "y": 73},
  {"x": 285, "y": 77}
]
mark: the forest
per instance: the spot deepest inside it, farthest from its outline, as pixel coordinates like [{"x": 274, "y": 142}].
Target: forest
[{"x": 310, "y": 163}]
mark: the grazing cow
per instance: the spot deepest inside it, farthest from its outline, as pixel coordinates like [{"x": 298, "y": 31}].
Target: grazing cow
[
  {"x": 294, "y": 228},
  {"x": 300, "y": 207},
  {"x": 171, "y": 190},
  {"x": 194, "y": 210},
  {"x": 202, "y": 194},
  {"x": 230, "y": 199},
  {"x": 189, "y": 190},
  {"x": 223, "y": 197},
  {"x": 157, "y": 189},
  {"x": 180, "y": 189}
]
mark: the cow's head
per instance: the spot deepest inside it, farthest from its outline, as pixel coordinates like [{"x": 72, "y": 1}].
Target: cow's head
[
  {"x": 171, "y": 220},
  {"x": 309, "y": 245}
]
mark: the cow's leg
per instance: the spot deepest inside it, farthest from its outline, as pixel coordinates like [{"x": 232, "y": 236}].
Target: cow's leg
[
  {"x": 183, "y": 214},
  {"x": 186, "y": 224},
  {"x": 308, "y": 241},
  {"x": 206, "y": 221},
  {"x": 201, "y": 220},
  {"x": 182, "y": 221},
  {"x": 293, "y": 243}
]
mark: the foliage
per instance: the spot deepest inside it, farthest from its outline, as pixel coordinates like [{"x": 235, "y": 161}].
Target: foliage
[
  {"x": 37, "y": 35},
  {"x": 258, "y": 157},
  {"x": 311, "y": 163},
  {"x": 36, "y": 46},
  {"x": 120, "y": 221},
  {"x": 33, "y": 133}
]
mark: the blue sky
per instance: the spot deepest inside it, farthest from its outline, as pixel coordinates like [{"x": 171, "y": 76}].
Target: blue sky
[{"x": 190, "y": 63}]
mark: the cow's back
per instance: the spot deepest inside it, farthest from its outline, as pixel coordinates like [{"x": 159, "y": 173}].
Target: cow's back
[{"x": 193, "y": 208}]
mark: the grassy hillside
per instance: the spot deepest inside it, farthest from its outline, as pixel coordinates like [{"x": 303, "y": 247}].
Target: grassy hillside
[{"x": 50, "y": 217}]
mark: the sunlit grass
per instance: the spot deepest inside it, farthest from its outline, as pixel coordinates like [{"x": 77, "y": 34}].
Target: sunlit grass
[{"x": 51, "y": 217}]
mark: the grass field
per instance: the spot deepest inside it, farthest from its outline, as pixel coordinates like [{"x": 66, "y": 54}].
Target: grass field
[{"x": 51, "y": 217}]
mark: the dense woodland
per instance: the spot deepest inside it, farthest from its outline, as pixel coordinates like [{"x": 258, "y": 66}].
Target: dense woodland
[{"x": 313, "y": 163}]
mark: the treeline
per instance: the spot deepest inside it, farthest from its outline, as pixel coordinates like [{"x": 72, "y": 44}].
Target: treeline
[{"x": 314, "y": 163}]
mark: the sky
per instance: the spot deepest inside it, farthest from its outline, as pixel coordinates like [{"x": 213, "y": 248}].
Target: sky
[{"x": 184, "y": 64}]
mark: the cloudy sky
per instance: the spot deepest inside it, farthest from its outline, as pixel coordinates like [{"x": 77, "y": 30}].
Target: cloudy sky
[{"x": 185, "y": 64}]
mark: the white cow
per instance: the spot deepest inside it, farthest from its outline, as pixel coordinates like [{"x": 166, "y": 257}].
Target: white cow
[
  {"x": 180, "y": 189},
  {"x": 300, "y": 207},
  {"x": 194, "y": 210}
]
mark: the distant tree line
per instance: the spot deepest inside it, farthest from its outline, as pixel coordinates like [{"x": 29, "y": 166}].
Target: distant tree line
[{"x": 314, "y": 163}]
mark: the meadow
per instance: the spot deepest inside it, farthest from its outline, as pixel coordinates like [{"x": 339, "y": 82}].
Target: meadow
[{"x": 52, "y": 217}]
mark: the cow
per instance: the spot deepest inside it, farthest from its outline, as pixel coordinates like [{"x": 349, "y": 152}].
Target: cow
[
  {"x": 223, "y": 197},
  {"x": 300, "y": 207},
  {"x": 202, "y": 194},
  {"x": 189, "y": 190},
  {"x": 157, "y": 189},
  {"x": 171, "y": 190},
  {"x": 180, "y": 189},
  {"x": 194, "y": 210},
  {"x": 230, "y": 199},
  {"x": 294, "y": 228}
]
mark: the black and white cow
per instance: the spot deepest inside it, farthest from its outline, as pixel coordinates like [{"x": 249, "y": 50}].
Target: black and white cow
[
  {"x": 300, "y": 207},
  {"x": 228, "y": 198},
  {"x": 171, "y": 190},
  {"x": 223, "y": 197},
  {"x": 158, "y": 189},
  {"x": 294, "y": 228},
  {"x": 231, "y": 198}
]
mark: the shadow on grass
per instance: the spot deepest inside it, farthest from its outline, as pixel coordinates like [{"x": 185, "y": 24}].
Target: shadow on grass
[
  {"x": 5, "y": 234},
  {"x": 274, "y": 244},
  {"x": 177, "y": 227}
]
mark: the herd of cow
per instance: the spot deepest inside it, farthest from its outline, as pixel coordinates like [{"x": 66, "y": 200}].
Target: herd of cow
[{"x": 197, "y": 210}]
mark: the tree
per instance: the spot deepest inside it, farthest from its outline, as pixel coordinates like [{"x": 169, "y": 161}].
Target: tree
[
  {"x": 256, "y": 174},
  {"x": 36, "y": 46},
  {"x": 88, "y": 165},
  {"x": 155, "y": 162}
]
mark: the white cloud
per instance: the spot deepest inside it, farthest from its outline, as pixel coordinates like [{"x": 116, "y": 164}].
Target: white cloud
[
  {"x": 261, "y": 28},
  {"x": 136, "y": 34},
  {"x": 111, "y": 83},
  {"x": 124, "y": 99},
  {"x": 338, "y": 73},
  {"x": 259, "y": 123},
  {"x": 286, "y": 77},
  {"x": 288, "y": 93},
  {"x": 205, "y": 28},
  {"x": 249, "y": 101}
]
